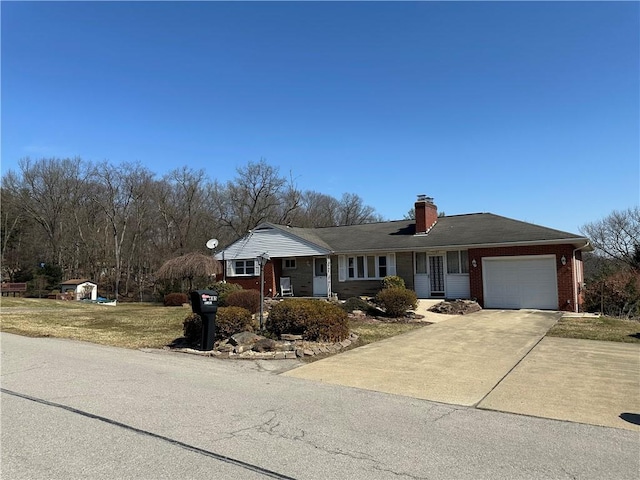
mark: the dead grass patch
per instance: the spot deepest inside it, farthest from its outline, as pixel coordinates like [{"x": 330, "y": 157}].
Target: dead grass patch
[
  {"x": 597, "y": 328},
  {"x": 131, "y": 325},
  {"x": 370, "y": 332},
  {"x": 126, "y": 325}
]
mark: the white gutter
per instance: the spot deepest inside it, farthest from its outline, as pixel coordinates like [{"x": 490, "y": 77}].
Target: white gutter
[{"x": 575, "y": 275}]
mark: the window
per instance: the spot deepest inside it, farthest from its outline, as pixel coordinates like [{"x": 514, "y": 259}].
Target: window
[
  {"x": 367, "y": 267},
  {"x": 458, "y": 262},
  {"x": 288, "y": 263},
  {"x": 421, "y": 262},
  {"x": 243, "y": 268}
]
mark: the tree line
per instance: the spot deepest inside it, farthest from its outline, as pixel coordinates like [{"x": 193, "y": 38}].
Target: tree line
[
  {"x": 117, "y": 224},
  {"x": 612, "y": 271}
]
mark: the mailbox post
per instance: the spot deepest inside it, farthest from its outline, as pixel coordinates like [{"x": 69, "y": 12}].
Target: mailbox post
[{"x": 205, "y": 304}]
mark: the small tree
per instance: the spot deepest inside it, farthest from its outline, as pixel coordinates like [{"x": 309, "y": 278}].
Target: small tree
[
  {"x": 617, "y": 236},
  {"x": 190, "y": 267}
]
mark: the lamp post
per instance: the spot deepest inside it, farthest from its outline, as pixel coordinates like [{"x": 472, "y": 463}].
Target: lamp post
[{"x": 262, "y": 260}]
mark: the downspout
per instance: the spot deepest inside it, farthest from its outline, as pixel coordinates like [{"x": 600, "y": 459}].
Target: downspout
[{"x": 575, "y": 275}]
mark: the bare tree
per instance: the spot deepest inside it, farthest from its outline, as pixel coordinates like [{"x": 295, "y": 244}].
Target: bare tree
[
  {"x": 353, "y": 211},
  {"x": 617, "y": 236},
  {"x": 182, "y": 200},
  {"x": 120, "y": 188},
  {"x": 256, "y": 195},
  {"x": 48, "y": 190}
]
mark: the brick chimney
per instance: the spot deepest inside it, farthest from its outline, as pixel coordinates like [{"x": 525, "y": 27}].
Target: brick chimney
[{"x": 426, "y": 214}]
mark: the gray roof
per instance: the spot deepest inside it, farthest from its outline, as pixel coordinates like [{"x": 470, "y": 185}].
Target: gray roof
[{"x": 471, "y": 230}]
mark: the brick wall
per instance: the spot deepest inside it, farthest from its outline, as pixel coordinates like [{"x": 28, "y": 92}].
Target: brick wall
[
  {"x": 253, "y": 283},
  {"x": 564, "y": 272}
]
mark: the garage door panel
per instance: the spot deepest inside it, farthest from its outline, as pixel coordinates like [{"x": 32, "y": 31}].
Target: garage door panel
[{"x": 520, "y": 282}]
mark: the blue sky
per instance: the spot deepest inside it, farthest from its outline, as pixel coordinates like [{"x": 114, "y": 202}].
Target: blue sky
[{"x": 529, "y": 110}]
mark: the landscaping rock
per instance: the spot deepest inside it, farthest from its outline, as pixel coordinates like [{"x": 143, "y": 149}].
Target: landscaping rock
[
  {"x": 264, "y": 345},
  {"x": 288, "y": 337},
  {"x": 456, "y": 307},
  {"x": 244, "y": 338}
]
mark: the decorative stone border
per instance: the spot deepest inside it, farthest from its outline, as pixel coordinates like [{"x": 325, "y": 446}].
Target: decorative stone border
[{"x": 291, "y": 347}]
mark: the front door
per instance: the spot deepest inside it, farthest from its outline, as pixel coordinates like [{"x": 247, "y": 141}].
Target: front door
[
  {"x": 436, "y": 275},
  {"x": 320, "y": 288}
]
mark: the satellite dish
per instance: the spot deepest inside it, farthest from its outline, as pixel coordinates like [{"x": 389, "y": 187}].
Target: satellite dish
[{"x": 211, "y": 244}]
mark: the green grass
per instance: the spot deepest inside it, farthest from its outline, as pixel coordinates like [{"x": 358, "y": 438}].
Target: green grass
[
  {"x": 602, "y": 328},
  {"x": 128, "y": 325}
]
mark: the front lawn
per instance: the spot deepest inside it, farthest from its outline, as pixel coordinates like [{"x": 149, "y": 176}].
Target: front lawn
[
  {"x": 597, "y": 328},
  {"x": 129, "y": 325},
  {"x": 369, "y": 332}
]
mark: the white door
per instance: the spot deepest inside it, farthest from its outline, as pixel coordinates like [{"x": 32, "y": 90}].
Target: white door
[
  {"x": 520, "y": 282},
  {"x": 320, "y": 287}
]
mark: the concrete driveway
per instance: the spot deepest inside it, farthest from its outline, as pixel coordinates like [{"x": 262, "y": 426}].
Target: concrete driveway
[{"x": 498, "y": 360}]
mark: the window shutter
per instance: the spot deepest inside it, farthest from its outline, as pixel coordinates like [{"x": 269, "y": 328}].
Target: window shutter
[
  {"x": 256, "y": 266},
  {"x": 391, "y": 259},
  {"x": 342, "y": 268},
  {"x": 229, "y": 268}
]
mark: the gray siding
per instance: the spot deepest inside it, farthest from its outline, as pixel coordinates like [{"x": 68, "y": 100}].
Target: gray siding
[
  {"x": 301, "y": 277},
  {"x": 357, "y": 288}
]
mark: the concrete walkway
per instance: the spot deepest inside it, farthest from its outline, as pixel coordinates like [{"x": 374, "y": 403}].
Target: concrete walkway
[
  {"x": 498, "y": 360},
  {"x": 457, "y": 361}
]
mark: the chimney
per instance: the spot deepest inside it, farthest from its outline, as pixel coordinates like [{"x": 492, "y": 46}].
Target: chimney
[{"x": 426, "y": 214}]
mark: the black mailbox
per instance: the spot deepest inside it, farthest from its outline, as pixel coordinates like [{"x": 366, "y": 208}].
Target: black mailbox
[{"x": 205, "y": 304}]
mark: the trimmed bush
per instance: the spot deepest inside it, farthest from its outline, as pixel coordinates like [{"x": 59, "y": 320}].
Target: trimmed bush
[
  {"x": 192, "y": 328},
  {"x": 396, "y": 301},
  {"x": 315, "y": 320},
  {"x": 175, "y": 299},
  {"x": 393, "y": 281},
  {"x": 229, "y": 320},
  {"x": 224, "y": 289},
  {"x": 249, "y": 299}
]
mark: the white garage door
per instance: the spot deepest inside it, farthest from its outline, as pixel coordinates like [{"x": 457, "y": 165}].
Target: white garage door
[{"x": 520, "y": 282}]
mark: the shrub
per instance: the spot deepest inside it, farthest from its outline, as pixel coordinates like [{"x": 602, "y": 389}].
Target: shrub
[
  {"x": 224, "y": 289},
  {"x": 393, "y": 281},
  {"x": 175, "y": 299},
  {"x": 249, "y": 299},
  {"x": 396, "y": 301},
  {"x": 616, "y": 294},
  {"x": 313, "y": 319},
  {"x": 229, "y": 320},
  {"x": 192, "y": 328},
  {"x": 357, "y": 303}
]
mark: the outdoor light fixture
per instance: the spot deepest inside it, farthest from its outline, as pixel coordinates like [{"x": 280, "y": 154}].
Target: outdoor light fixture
[
  {"x": 563, "y": 260},
  {"x": 474, "y": 263}
]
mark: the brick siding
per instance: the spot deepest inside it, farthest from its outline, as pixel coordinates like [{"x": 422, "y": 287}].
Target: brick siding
[{"x": 564, "y": 272}]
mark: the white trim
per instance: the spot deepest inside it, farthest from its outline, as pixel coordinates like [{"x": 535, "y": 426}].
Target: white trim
[
  {"x": 390, "y": 266},
  {"x": 231, "y": 267},
  {"x": 342, "y": 268}
]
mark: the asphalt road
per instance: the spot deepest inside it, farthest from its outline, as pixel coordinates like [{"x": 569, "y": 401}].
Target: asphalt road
[{"x": 77, "y": 410}]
